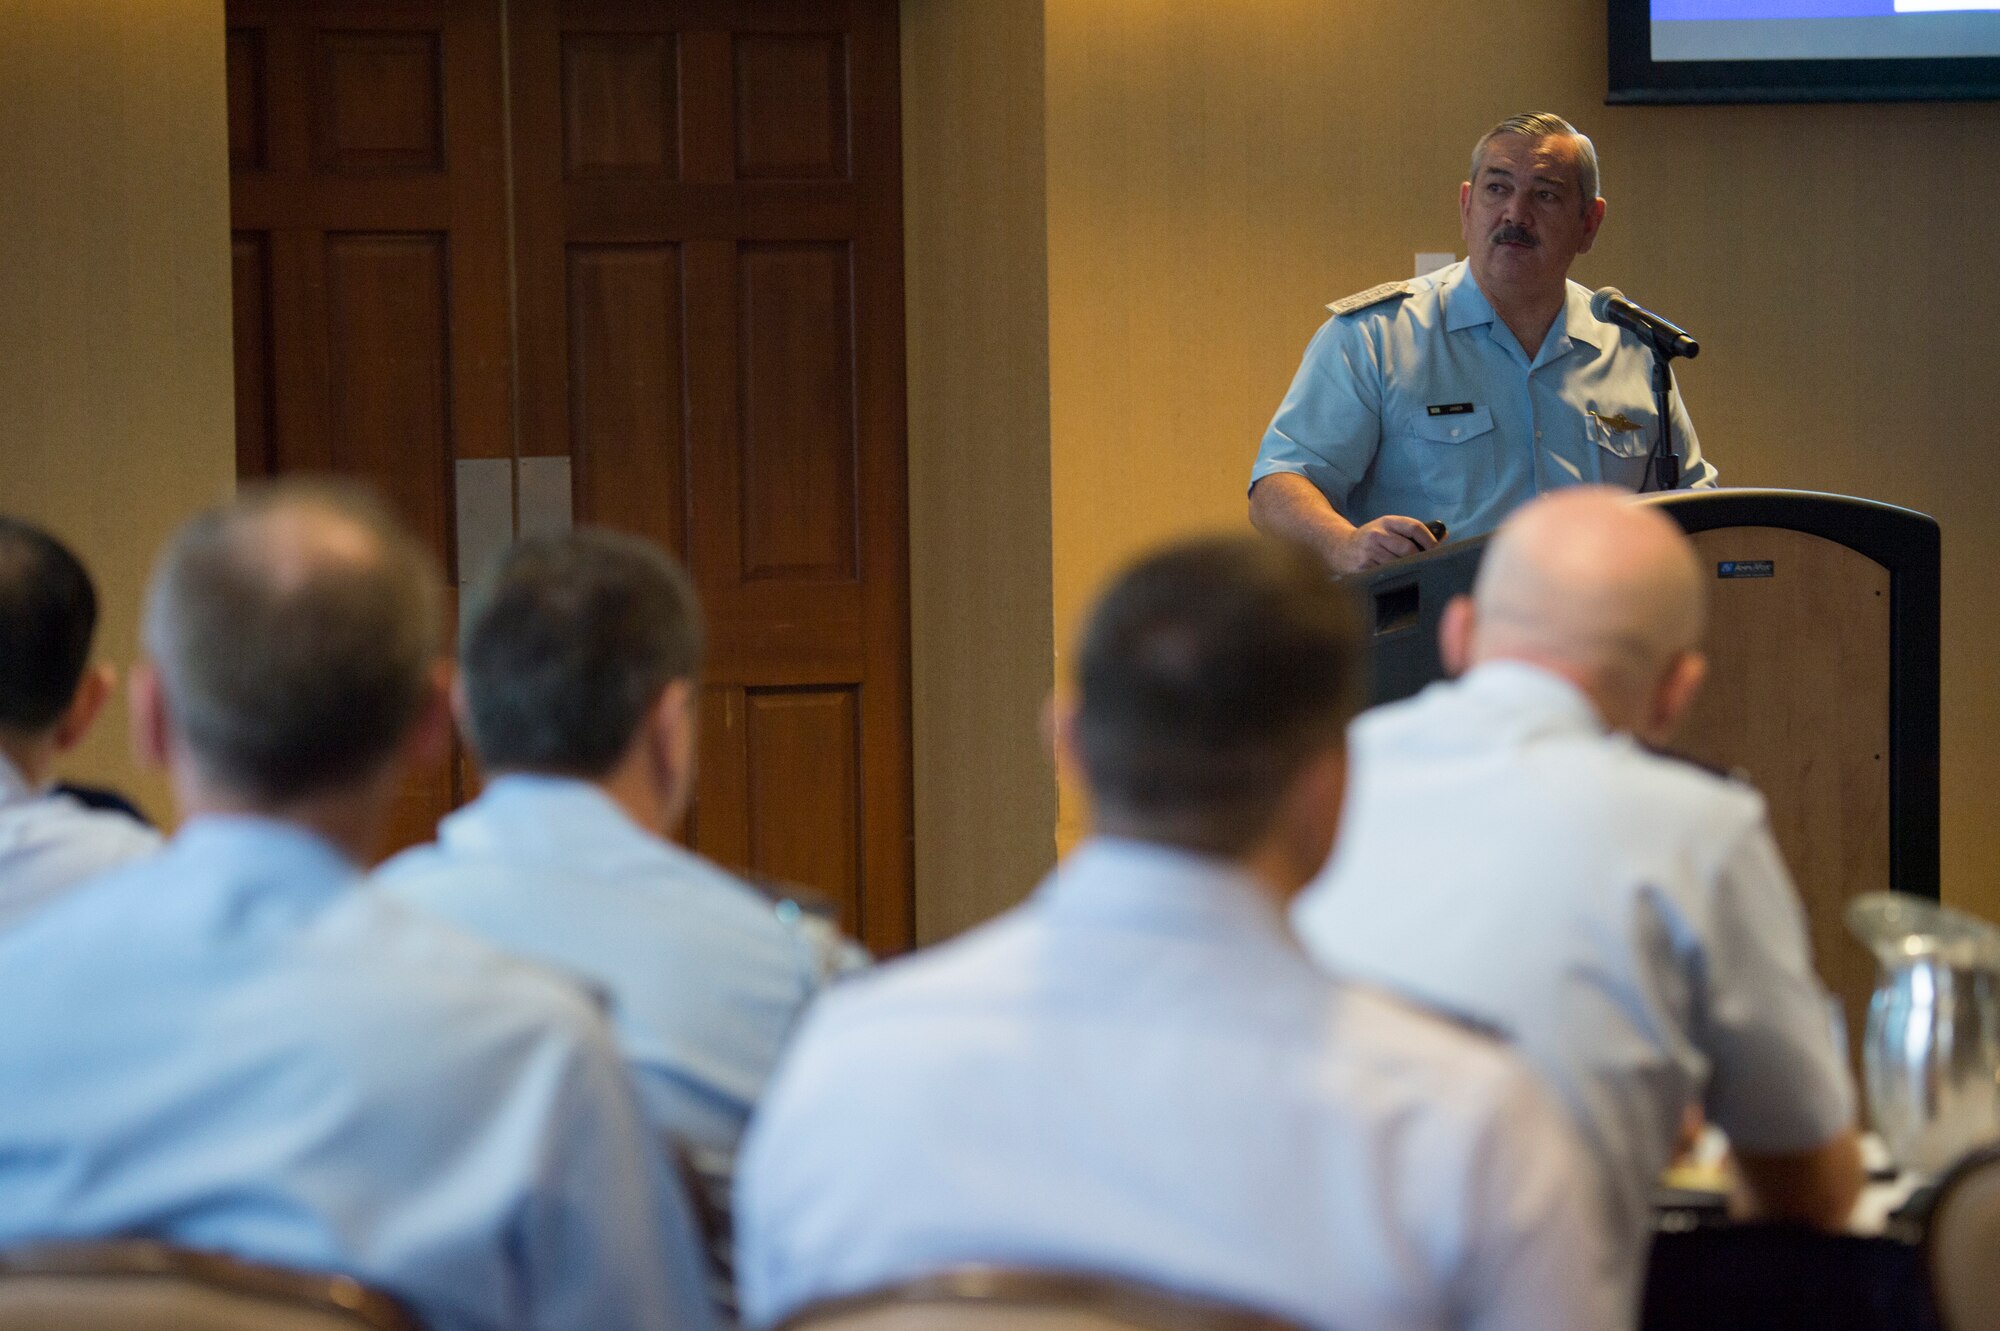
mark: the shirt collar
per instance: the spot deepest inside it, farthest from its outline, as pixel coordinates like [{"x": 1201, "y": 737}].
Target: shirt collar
[
  {"x": 1579, "y": 323},
  {"x": 1538, "y": 697},
  {"x": 541, "y": 816},
  {"x": 1124, "y": 883},
  {"x": 1466, "y": 306},
  {"x": 238, "y": 855}
]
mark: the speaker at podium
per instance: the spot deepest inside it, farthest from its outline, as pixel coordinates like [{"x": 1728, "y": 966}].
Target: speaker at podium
[{"x": 1822, "y": 690}]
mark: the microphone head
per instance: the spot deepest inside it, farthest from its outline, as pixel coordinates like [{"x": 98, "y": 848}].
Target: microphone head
[{"x": 1600, "y": 302}]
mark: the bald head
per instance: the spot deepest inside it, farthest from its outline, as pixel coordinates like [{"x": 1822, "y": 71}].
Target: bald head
[
  {"x": 294, "y": 633},
  {"x": 1585, "y": 582}
]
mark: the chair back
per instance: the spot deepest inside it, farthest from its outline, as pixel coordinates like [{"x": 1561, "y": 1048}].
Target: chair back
[
  {"x": 1961, "y": 1243},
  {"x": 144, "y": 1285},
  {"x": 993, "y": 1299}
]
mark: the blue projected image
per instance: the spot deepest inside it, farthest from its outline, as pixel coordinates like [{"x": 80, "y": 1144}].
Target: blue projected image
[
  {"x": 1668, "y": 51},
  {"x": 1676, "y": 11},
  {"x": 1824, "y": 29}
]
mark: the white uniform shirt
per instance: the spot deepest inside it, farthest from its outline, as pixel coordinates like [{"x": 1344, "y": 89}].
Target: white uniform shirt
[
  {"x": 1625, "y": 917},
  {"x": 1139, "y": 1073},
  {"x": 49, "y": 842}
]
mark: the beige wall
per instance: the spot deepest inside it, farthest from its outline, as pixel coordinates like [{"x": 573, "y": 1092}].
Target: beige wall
[
  {"x": 975, "y": 246},
  {"x": 115, "y": 388},
  {"x": 1218, "y": 170}
]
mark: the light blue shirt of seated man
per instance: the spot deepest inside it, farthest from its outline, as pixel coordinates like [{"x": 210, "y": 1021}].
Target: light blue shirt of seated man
[
  {"x": 577, "y": 667},
  {"x": 235, "y": 1047},
  {"x": 1139, "y": 1073},
  {"x": 50, "y": 842},
  {"x": 705, "y": 976}
]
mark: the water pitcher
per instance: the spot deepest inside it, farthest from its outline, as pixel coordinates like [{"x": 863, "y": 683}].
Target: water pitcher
[{"x": 1931, "y": 1055}]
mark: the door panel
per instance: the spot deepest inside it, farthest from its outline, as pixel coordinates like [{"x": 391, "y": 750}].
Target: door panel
[
  {"x": 791, "y": 106},
  {"x": 376, "y": 102},
  {"x": 250, "y": 281},
  {"x": 387, "y": 372},
  {"x": 796, "y": 383},
  {"x": 802, "y": 758},
  {"x": 621, "y": 105},
  {"x": 624, "y": 313}
]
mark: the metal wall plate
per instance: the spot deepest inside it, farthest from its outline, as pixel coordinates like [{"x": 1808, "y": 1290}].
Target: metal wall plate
[
  {"x": 545, "y": 496},
  {"x": 485, "y": 498}
]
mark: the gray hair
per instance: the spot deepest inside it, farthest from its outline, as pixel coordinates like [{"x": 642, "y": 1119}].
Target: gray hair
[
  {"x": 294, "y": 632},
  {"x": 1546, "y": 125},
  {"x": 567, "y": 643}
]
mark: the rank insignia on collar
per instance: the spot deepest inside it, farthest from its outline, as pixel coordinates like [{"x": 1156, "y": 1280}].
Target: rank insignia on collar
[{"x": 1620, "y": 423}]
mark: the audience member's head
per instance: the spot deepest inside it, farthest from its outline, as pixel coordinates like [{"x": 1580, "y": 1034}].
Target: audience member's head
[
  {"x": 578, "y": 657},
  {"x": 293, "y": 639},
  {"x": 49, "y": 695},
  {"x": 1600, "y": 590},
  {"x": 1215, "y": 681}
]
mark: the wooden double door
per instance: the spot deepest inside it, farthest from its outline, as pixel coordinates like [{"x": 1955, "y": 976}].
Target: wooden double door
[{"x": 629, "y": 263}]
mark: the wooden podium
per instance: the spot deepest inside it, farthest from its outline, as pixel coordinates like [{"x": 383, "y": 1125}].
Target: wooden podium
[{"x": 1822, "y": 689}]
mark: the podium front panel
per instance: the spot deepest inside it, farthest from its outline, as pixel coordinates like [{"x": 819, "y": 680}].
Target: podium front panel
[{"x": 1797, "y": 699}]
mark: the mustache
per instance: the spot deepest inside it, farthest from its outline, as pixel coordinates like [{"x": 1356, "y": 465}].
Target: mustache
[{"x": 1511, "y": 234}]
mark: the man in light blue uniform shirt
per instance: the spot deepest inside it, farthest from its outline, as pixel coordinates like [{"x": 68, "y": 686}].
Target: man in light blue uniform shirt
[
  {"x": 578, "y": 672},
  {"x": 50, "y": 695},
  {"x": 1459, "y": 396},
  {"x": 1138, "y": 1073},
  {"x": 1512, "y": 849},
  {"x": 232, "y": 1046}
]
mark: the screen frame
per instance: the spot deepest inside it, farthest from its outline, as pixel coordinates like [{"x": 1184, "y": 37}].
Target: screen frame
[{"x": 1638, "y": 79}]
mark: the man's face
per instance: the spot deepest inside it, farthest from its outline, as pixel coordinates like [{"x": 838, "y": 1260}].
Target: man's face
[{"x": 1524, "y": 218}]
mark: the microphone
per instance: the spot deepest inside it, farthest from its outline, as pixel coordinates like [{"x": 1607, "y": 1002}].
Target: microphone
[{"x": 1610, "y": 306}]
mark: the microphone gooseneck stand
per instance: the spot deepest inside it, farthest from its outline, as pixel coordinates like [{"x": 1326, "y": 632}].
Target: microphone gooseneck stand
[{"x": 1663, "y": 463}]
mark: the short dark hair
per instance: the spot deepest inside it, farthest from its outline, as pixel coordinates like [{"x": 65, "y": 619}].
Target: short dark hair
[
  {"x": 48, "y": 612},
  {"x": 1209, "y": 674},
  {"x": 567, "y": 641},
  {"x": 294, "y": 632}
]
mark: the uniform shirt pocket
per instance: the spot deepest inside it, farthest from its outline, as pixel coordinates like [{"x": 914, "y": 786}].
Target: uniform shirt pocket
[
  {"x": 1634, "y": 441},
  {"x": 1455, "y": 460}
]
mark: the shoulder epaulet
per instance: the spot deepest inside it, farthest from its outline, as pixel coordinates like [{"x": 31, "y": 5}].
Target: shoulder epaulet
[{"x": 1361, "y": 300}]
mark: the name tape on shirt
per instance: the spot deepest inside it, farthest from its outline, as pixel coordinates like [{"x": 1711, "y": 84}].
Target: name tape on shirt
[{"x": 1450, "y": 409}]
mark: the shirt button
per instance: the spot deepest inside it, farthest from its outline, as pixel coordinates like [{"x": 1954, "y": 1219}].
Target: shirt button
[{"x": 1538, "y": 434}]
